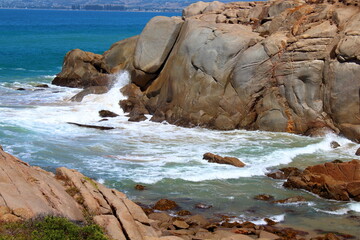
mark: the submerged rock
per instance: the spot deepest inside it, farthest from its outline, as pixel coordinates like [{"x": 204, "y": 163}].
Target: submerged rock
[
  {"x": 357, "y": 153},
  {"x": 264, "y": 197},
  {"x": 165, "y": 204},
  {"x": 291, "y": 200},
  {"x": 334, "y": 144},
  {"x": 89, "y": 90},
  {"x": 212, "y": 158},
  {"x": 91, "y": 126}
]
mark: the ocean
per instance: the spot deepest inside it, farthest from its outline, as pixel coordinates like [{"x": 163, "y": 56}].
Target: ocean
[{"x": 166, "y": 159}]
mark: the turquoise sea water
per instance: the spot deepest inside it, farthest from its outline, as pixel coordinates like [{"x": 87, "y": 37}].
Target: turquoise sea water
[{"x": 165, "y": 158}]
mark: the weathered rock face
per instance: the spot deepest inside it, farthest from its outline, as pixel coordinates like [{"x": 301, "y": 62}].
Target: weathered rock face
[
  {"x": 82, "y": 69},
  {"x": 33, "y": 190},
  {"x": 339, "y": 181},
  {"x": 286, "y": 66},
  {"x": 26, "y": 192}
]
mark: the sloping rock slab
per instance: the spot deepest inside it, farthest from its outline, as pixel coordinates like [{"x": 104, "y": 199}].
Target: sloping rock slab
[
  {"x": 34, "y": 191},
  {"x": 339, "y": 181}
]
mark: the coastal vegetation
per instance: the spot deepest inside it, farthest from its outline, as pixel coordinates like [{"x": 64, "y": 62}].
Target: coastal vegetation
[{"x": 50, "y": 228}]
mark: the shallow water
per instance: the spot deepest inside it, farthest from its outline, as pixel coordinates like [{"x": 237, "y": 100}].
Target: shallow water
[{"x": 165, "y": 158}]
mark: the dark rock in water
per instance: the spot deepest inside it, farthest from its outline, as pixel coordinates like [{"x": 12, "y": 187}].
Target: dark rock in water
[
  {"x": 270, "y": 222},
  {"x": 183, "y": 213},
  {"x": 91, "y": 126},
  {"x": 291, "y": 200},
  {"x": 284, "y": 173},
  {"x": 223, "y": 160},
  {"x": 334, "y": 144},
  {"x": 264, "y": 197},
  {"x": 139, "y": 187},
  {"x": 339, "y": 181},
  {"x": 203, "y": 206},
  {"x": 276, "y": 175},
  {"x": 89, "y": 90},
  {"x": 137, "y": 118},
  {"x": 107, "y": 113},
  {"x": 20, "y": 89},
  {"x": 165, "y": 204},
  {"x": 42, "y": 86},
  {"x": 357, "y": 152},
  {"x": 337, "y": 161}
]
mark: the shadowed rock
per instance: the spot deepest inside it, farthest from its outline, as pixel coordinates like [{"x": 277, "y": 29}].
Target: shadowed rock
[{"x": 91, "y": 126}]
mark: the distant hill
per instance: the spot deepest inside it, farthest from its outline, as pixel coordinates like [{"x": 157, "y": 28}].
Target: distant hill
[{"x": 100, "y": 4}]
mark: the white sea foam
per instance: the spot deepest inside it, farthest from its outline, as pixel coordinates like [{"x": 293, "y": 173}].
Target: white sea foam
[{"x": 350, "y": 207}]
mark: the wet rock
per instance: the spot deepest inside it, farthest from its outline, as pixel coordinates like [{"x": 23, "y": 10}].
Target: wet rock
[
  {"x": 89, "y": 90},
  {"x": 91, "y": 126},
  {"x": 339, "y": 181},
  {"x": 42, "y": 86},
  {"x": 284, "y": 173},
  {"x": 291, "y": 200},
  {"x": 264, "y": 197},
  {"x": 183, "y": 213},
  {"x": 270, "y": 222},
  {"x": 357, "y": 152},
  {"x": 337, "y": 161},
  {"x": 223, "y": 160},
  {"x": 165, "y": 204},
  {"x": 140, "y": 187},
  {"x": 334, "y": 144},
  {"x": 268, "y": 235},
  {"x": 20, "y": 89},
  {"x": 137, "y": 118},
  {"x": 107, "y": 113},
  {"x": 203, "y": 206}
]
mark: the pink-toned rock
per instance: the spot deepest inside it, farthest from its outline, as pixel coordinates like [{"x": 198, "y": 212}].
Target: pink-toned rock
[
  {"x": 31, "y": 188},
  {"x": 339, "y": 181},
  {"x": 111, "y": 226},
  {"x": 9, "y": 218}
]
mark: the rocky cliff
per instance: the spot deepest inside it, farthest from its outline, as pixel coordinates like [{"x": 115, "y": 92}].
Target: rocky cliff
[{"x": 288, "y": 66}]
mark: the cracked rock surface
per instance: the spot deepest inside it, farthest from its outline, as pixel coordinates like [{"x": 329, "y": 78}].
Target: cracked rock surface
[{"x": 285, "y": 66}]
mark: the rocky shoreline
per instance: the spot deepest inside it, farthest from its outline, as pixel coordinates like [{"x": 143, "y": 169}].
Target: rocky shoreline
[
  {"x": 284, "y": 66},
  {"x": 27, "y": 192}
]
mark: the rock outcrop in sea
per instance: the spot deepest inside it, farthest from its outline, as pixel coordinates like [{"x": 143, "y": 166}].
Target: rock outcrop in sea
[{"x": 285, "y": 66}]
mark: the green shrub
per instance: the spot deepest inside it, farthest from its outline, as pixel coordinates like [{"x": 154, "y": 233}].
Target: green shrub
[{"x": 50, "y": 228}]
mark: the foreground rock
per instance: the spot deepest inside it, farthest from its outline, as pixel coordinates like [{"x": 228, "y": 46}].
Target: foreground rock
[
  {"x": 27, "y": 192},
  {"x": 286, "y": 66},
  {"x": 223, "y": 160},
  {"x": 339, "y": 181}
]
